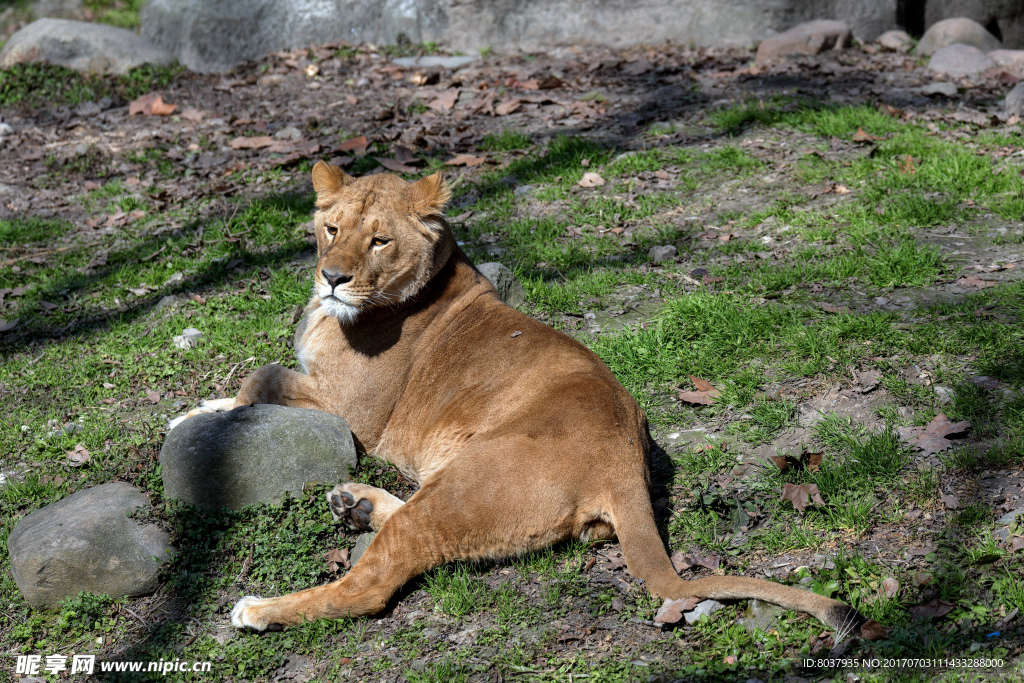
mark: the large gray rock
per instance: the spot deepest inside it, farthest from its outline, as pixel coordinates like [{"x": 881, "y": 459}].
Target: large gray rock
[
  {"x": 895, "y": 41},
  {"x": 1003, "y": 18},
  {"x": 81, "y": 46},
  {"x": 87, "y": 542},
  {"x": 960, "y": 60},
  {"x": 254, "y": 454},
  {"x": 808, "y": 38},
  {"x": 509, "y": 288},
  {"x": 958, "y": 30},
  {"x": 213, "y": 35}
]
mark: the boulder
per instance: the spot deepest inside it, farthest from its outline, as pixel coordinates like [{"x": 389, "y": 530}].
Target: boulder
[
  {"x": 959, "y": 30},
  {"x": 944, "y": 88},
  {"x": 254, "y": 454},
  {"x": 665, "y": 252},
  {"x": 960, "y": 60},
  {"x": 808, "y": 38},
  {"x": 895, "y": 41},
  {"x": 1014, "y": 102},
  {"x": 213, "y": 35},
  {"x": 1002, "y": 18},
  {"x": 87, "y": 542},
  {"x": 509, "y": 288},
  {"x": 1012, "y": 61},
  {"x": 81, "y": 46}
]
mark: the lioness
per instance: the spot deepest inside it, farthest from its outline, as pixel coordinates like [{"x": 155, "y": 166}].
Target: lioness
[{"x": 518, "y": 435}]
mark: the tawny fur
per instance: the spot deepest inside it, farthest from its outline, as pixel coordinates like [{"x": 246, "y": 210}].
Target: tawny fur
[{"x": 518, "y": 435}]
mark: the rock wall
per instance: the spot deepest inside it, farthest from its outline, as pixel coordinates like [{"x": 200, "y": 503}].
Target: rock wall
[{"x": 212, "y": 35}]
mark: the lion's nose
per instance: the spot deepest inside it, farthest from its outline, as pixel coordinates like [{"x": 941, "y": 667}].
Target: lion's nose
[{"x": 334, "y": 278}]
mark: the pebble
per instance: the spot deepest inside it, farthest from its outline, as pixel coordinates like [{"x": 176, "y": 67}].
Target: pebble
[
  {"x": 662, "y": 253},
  {"x": 189, "y": 337}
]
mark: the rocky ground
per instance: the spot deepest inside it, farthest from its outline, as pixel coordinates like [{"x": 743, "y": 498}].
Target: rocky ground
[{"x": 845, "y": 273}]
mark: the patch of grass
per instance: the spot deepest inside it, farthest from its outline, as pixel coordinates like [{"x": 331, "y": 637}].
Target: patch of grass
[
  {"x": 46, "y": 85},
  {"x": 455, "y": 590},
  {"x": 505, "y": 141}
]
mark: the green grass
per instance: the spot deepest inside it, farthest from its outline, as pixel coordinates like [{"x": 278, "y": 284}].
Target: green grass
[{"x": 49, "y": 85}]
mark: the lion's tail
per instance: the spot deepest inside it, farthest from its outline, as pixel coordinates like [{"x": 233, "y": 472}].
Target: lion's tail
[{"x": 633, "y": 519}]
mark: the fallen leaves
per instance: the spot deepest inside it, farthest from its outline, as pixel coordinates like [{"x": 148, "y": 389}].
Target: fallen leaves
[
  {"x": 930, "y": 610},
  {"x": 807, "y": 460},
  {"x": 79, "y": 456},
  {"x": 255, "y": 142},
  {"x": 802, "y": 495},
  {"x": 863, "y": 136},
  {"x": 975, "y": 281},
  {"x": 950, "y": 501},
  {"x": 445, "y": 100},
  {"x": 395, "y": 166},
  {"x": 907, "y": 166},
  {"x": 932, "y": 438},
  {"x": 591, "y": 179},
  {"x": 355, "y": 145},
  {"x": 683, "y": 562},
  {"x": 890, "y": 587},
  {"x": 151, "y": 105},
  {"x": 467, "y": 160},
  {"x": 705, "y": 394},
  {"x": 152, "y": 396},
  {"x": 337, "y": 558},
  {"x": 671, "y": 611}
]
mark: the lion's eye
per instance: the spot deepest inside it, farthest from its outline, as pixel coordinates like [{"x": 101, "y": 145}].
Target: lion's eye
[
  {"x": 379, "y": 241},
  {"x": 332, "y": 230}
]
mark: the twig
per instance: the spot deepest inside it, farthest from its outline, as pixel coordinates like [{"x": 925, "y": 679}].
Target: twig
[
  {"x": 232, "y": 372},
  {"x": 12, "y": 261}
]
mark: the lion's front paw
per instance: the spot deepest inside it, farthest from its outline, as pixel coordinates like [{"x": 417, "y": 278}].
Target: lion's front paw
[
  {"x": 364, "y": 508},
  {"x": 247, "y": 614},
  {"x": 217, "y": 405}
]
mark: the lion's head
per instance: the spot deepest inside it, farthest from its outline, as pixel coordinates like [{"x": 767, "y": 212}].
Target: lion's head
[{"x": 379, "y": 239}]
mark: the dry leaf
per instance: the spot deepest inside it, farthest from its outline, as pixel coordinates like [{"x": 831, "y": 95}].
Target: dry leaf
[
  {"x": 355, "y": 145},
  {"x": 153, "y": 396},
  {"x": 192, "y": 114},
  {"x": 508, "y": 106},
  {"x": 79, "y": 456},
  {"x": 930, "y": 610},
  {"x": 801, "y": 495},
  {"x": 907, "y": 165},
  {"x": 890, "y": 587},
  {"x": 809, "y": 460},
  {"x": 393, "y": 165},
  {"x": 256, "y": 142},
  {"x": 150, "y": 105},
  {"x": 862, "y": 136},
  {"x": 872, "y": 630},
  {"x": 467, "y": 160},
  {"x": 1016, "y": 543},
  {"x": 829, "y": 308},
  {"x": 949, "y": 501},
  {"x": 705, "y": 395},
  {"x": 445, "y": 101},
  {"x": 683, "y": 562},
  {"x": 671, "y": 611},
  {"x": 932, "y": 439},
  {"x": 975, "y": 281},
  {"x": 336, "y": 558}
]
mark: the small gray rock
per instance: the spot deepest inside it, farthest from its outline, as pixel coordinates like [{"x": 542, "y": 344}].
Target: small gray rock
[
  {"x": 81, "y": 46},
  {"x": 188, "y": 338},
  {"x": 943, "y": 394},
  {"x": 362, "y": 543},
  {"x": 895, "y": 41},
  {"x": 254, "y": 454},
  {"x": 760, "y": 615},
  {"x": 288, "y": 133},
  {"x": 1011, "y": 61},
  {"x": 169, "y": 301},
  {"x": 960, "y": 59},
  {"x": 704, "y": 608},
  {"x": 434, "y": 61},
  {"x": 174, "y": 279},
  {"x": 509, "y": 288},
  {"x": 944, "y": 88},
  {"x": 957, "y": 30},
  {"x": 87, "y": 109},
  {"x": 86, "y": 542},
  {"x": 807, "y": 415},
  {"x": 665, "y": 252},
  {"x": 808, "y": 38},
  {"x": 523, "y": 190},
  {"x": 1009, "y": 517}
]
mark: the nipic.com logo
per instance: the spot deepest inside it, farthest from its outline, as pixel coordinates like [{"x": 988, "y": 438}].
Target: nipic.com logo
[{"x": 33, "y": 665}]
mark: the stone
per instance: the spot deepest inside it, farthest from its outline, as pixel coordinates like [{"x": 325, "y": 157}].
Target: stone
[
  {"x": 895, "y": 41},
  {"x": 1002, "y": 18},
  {"x": 169, "y": 301},
  {"x": 807, "y": 415},
  {"x": 254, "y": 454},
  {"x": 958, "y": 30},
  {"x": 1011, "y": 61},
  {"x": 188, "y": 338},
  {"x": 944, "y": 88},
  {"x": 760, "y": 615},
  {"x": 808, "y": 38},
  {"x": 362, "y": 543},
  {"x": 1010, "y": 517},
  {"x": 288, "y": 133},
  {"x": 214, "y": 35},
  {"x": 944, "y": 395},
  {"x": 82, "y": 46},
  {"x": 661, "y": 253},
  {"x": 704, "y": 608},
  {"x": 434, "y": 61},
  {"x": 87, "y": 542},
  {"x": 509, "y": 288},
  {"x": 960, "y": 60}
]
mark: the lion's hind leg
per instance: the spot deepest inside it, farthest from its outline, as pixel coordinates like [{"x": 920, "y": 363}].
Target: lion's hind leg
[{"x": 363, "y": 507}]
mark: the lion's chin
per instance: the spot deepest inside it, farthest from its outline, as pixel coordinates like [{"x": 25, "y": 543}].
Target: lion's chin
[{"x": 340, "y": 310}]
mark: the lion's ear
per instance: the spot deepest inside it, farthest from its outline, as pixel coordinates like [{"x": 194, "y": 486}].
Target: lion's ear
[
  {"x": 327, "y": 178},
  {"x": 429, "y": 195}
]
